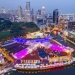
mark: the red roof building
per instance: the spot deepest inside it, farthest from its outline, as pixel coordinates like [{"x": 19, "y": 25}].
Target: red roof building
[{"x": 31, "y": 58}]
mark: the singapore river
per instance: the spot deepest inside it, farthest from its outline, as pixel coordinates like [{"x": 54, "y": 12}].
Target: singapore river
[{"x": 66, "y": 71}]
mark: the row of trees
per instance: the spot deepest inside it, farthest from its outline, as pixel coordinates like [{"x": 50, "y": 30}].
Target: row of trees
[
  {"x": 18, "y": 28},
  {"x": 4, "y": 24},
  {"x": 21, "y": 28}
]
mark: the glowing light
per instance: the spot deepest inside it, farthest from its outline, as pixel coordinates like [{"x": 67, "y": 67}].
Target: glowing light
[
  {"x": 57, "y": 47},
  {"x": 67, "y": 51},
  {"x": 20, "y": 54}
]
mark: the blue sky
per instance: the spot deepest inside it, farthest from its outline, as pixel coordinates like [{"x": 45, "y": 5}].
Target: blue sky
[{"x": 65, "y": 6}]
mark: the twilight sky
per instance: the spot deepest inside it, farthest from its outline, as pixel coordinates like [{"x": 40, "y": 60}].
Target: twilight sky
[{"x": 65, "y": 6}]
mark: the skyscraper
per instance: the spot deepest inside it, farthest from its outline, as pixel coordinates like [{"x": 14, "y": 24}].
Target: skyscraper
[
  {"x": 43, "y": 12},
  {"x": 55, "y": 16},
  {"x": 32, "y": 15},
  {"x": 28, "y": 12},
  {"x": 28, "y": 6},
  {"x": 39, "y": 12},
  {"x": 10, "y": 11},
  {"x": 74, "y": 17},
  {"x": 19, "y": 11},
  {"x": 3, "y": 10}
]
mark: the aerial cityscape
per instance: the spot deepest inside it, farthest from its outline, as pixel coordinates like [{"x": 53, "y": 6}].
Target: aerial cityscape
[{"x": 36, "y": 41}]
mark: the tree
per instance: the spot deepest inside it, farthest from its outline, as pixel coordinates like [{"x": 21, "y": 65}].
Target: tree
[
  {"x": 4, "y": 24},
  {"x": 1, "y": 27},
  {"x": 16, "y": 30},
  {"x": 1, "y": 64},
  {"x": 7, "y": 23},
  {"x": 21, "y": 28},
  {"x": 30, "y": 24}
]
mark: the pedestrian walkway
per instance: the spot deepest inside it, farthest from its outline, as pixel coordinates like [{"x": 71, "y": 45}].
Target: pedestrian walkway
[{"x": 67, "y": 39}]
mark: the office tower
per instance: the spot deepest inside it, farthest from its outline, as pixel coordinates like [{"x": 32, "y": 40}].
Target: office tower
[
  {"x": 74, "y": 17},
  {"x": 71, "y": 25},
  {"x": 28, "y": 12},
  {"x": 49, "y": 18},
  {"x": 35, "y": 17},
  {"x": 39, "y": 12},
  {"x": 32, "y": 15},
  {"x": 10, "y": 11},
  {"x": 3, "y": 10},
  {"x": 55, "y": 16},
  {"x": 19, "y": 12},
  {"x": 15, "y": 12},
  {"x": 43, "y": 12}
]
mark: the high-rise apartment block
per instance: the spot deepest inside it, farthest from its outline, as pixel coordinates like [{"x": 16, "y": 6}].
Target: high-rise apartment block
[{"x": 55, "y": 16}]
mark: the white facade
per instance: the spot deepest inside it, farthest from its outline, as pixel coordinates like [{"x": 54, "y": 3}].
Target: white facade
[
  {"x": 19, "y": 11},
  {"x": 74, "y": 17},
  {"x": 1, "y": 59},
  {"x": 67, "y": 16},
  {"x": 43, "y": 11},
  {"x": 27, "y": 12},
  {"x": 3, "y": 10}
]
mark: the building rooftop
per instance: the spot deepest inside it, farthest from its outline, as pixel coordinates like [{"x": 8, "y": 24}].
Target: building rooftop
[{"x": 32, "y": 56}]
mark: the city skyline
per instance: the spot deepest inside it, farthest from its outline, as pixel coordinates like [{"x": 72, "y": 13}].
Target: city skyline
[{"x": 63, "y": 6}]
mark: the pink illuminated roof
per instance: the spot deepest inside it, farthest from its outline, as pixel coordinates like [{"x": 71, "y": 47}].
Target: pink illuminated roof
[
  {"x": 32, "y": 56},
  {"x": 20, "y": 54},
  {"x": 57, "y": 47}
]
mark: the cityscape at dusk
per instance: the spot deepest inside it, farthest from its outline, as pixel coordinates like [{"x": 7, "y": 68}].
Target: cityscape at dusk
[
  {"x": 37, "y": 37},
  {"x": 65, "y": 6}
]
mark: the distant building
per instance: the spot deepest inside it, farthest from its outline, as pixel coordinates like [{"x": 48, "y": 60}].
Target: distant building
[
  {"x": 68, "y": 17},
  {"x": 71, "y": 25},
  {"x": 43, "y": 12},
  {"x": 39, "y": 12},
  {"x": 74, "y": 17},
  {"x": 7, "y": 17},
  {"x": 28, "y": 12},
  {"x": 49, "y": 19},
  {"x": 19, "y": 14},
  {"x": 32, "y": 15},
  {"x": 55, "y": 16},
  {"x": 71, "y": 34},
  {"x": 3, "y": 10},
  {"x": 19, "y": 11},
  {"x": 40, "y": 21},
  {"x": 10, "y": 11}
]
